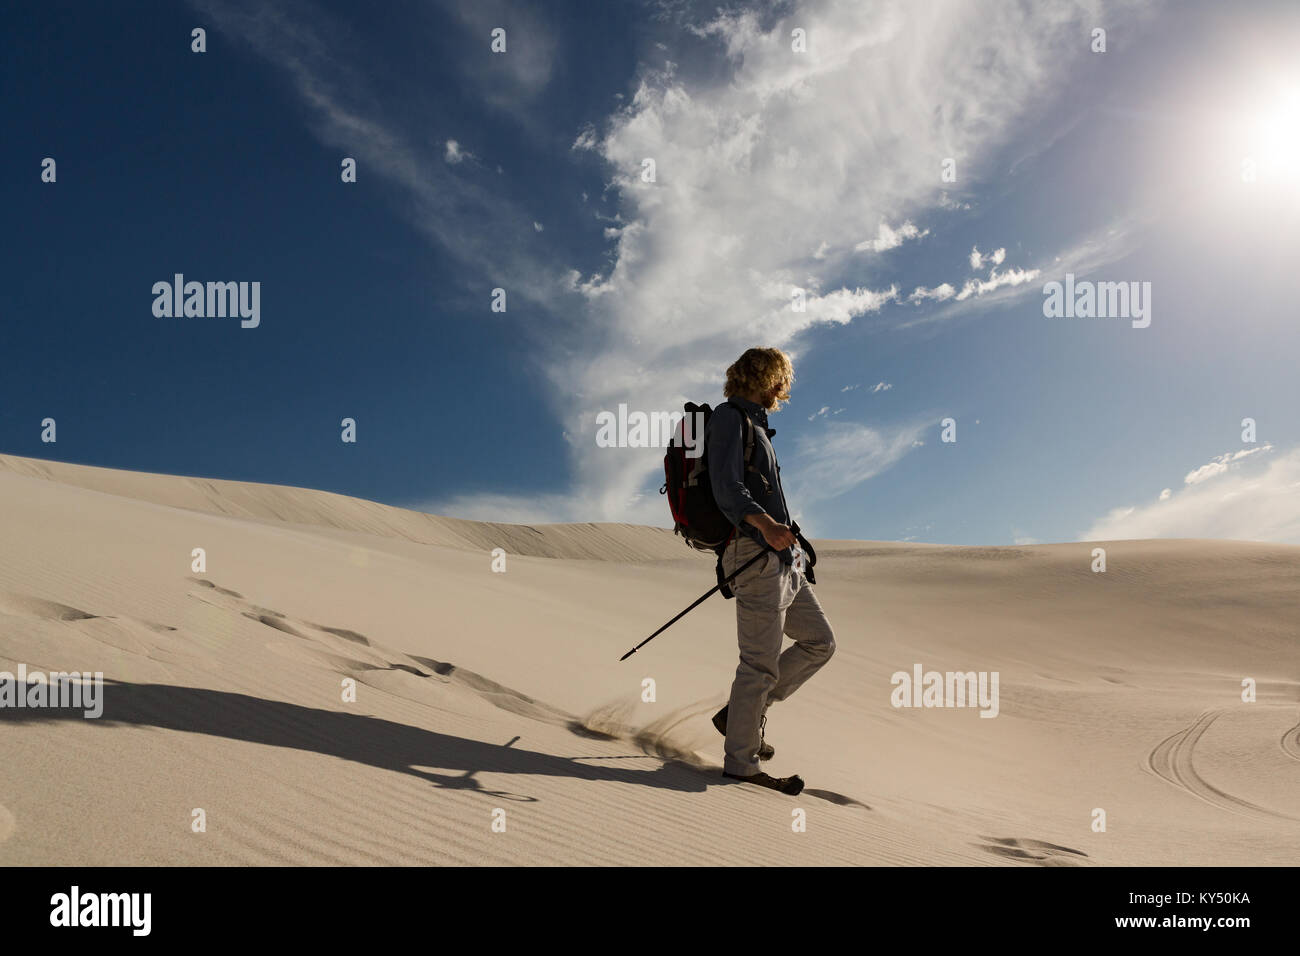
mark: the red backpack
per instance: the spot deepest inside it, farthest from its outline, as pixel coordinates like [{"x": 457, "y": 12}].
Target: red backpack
[{"x": 696, "y": 515}]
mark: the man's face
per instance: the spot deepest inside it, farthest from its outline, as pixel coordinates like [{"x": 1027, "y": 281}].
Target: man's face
[{"x": 781, "y": 391}]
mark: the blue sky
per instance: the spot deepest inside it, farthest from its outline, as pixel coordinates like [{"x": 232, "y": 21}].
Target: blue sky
[{"x": 774, "y": 170}]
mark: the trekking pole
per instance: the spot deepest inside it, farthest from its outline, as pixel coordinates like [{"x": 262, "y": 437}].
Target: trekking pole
[{"x": 700, "y": 600}]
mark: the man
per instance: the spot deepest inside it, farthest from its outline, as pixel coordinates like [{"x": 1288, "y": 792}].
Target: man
[{"x": 773, "y": 596}]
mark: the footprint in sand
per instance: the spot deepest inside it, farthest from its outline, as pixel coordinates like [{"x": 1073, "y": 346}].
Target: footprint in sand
[
  {"x": 1036, "y": 851},
  {"x": 205, "y": 583},
  {"x": 495, "y": 694},
  {"x": 344, "y": 633},
  {"x": 23, "y": 605},
  {"x": 836, "y": 798},
  {"x": 20, "y": 605},
  {"x": 277, "y": 621}
]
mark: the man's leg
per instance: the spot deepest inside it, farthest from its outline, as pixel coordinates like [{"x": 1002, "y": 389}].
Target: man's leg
[
  {"x": 814, "y": 642},
  {"x": 762, "y": 593}
]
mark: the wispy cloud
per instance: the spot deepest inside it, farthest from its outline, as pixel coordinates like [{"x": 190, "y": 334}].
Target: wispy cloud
[
  {"x": 759, "y": 191},
  {"x": 940, "y": 293},
  {"x": 325, "y": 67},
  {"x": 1084, "y": 257},
  {"x": 887, "y": 238},
  {"x": 878, "y": 387},
  {"x": 511, "y": 80},
  {"x": 842, "y": 455},
  {"x": 1222, "y": 464},
  {"x": 996, "y": 280},
  {"x": 974, "y": 288},
  {"x": 1248, "y": 495}
]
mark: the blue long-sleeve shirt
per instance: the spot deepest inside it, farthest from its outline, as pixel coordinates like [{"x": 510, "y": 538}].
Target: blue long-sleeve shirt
[{"x": 739, "y": 492}]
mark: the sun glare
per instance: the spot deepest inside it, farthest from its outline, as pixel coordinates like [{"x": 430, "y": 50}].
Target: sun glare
[{"x": 1271, "y": 151}]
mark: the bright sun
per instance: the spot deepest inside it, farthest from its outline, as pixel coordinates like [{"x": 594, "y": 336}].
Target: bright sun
[{"x": 1272, "y": 141}]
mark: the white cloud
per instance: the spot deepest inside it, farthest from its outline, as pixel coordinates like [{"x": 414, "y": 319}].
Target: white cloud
[
  {"x": 974, "y": 288},
  {"x": 940, "y": 293},
  {"x": 841, "y": 306},
  {"x": 849, "y": 388},
  {"x": 1109, "y": 244},
  {"x": 714, "y": 248},
  {"x": 537, "y": 226},
  {"x": 996, "y": 280},
  {"x": 453, "y": 153},
  {"x": 1221, "y": 464},
  {"x": 887, "y": 238},
  {"x": 592, "y": 288},
  {"x": 760, "y": 158},
  {"x": 1243, "y": 496},
  {"x": 882, "y": 387},
  {"x": 995, "y": 258}
]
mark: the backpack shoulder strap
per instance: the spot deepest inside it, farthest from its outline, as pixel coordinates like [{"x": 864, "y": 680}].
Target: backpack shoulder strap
[
  {"x": 749, "y": 443},
  {"x": 749, "y": 434}
]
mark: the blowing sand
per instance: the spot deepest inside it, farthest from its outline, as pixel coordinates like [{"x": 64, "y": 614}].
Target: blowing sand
[{"x": 485, "y": 696}]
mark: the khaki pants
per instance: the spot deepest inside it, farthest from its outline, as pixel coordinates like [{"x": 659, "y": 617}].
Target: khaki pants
[{"x": 772, "y": 599}]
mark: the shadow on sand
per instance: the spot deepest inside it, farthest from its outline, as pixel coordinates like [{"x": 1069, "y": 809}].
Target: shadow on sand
[
  {"x": 372, "y": 741},
  {"x": 361, "y": 739}
]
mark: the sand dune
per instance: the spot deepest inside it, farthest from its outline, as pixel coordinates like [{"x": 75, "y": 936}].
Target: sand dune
[
  {"x": 323, "y": 510},
  {"x": 482, "y": 693}
]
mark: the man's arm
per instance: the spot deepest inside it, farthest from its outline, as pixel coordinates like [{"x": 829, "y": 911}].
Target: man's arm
[
  {"x": 779, "y": 536},
  {"x": 724, "y": 446}
]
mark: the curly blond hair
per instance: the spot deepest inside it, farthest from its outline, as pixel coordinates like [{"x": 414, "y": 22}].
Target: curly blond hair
[{"x": 759, "y": 371}]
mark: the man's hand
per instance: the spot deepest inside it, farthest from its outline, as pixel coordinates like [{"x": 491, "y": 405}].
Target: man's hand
[{"x": 777, "y": 535}]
